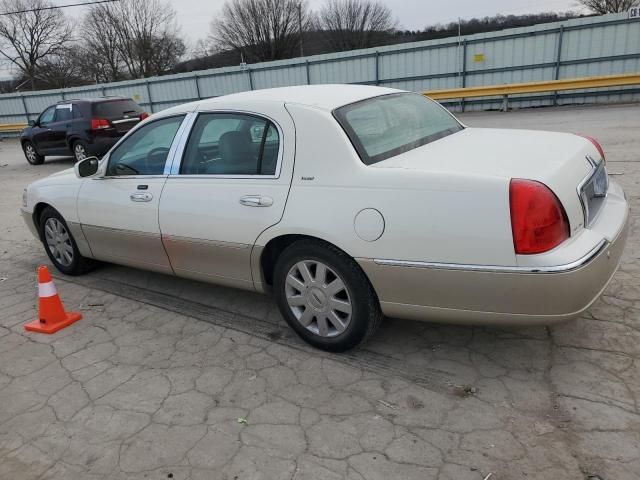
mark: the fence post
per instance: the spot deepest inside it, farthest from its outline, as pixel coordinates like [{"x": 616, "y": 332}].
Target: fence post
[
  {"x": 377, "y": 67},
  {"x": 306, "y": 68},
  {"x": 556, "y": 74},
  {"x": 196, "y": 77},
  {"x": 102, "y": 89},
  {"x": 250, "y": 78},
  {"x": 463, "y": 71},
  {"x": 149, "y": 96},
  {"x": 62, "y": 94},
  {"x": 24, "y": 106}
]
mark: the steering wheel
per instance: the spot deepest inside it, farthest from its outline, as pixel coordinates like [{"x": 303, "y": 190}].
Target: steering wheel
[{"x": 151, "y": 163}]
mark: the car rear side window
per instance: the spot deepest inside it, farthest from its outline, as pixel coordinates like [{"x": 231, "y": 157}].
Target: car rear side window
[
  {"x": 385, "y": 126},
  {"x": 116, "y": 109},
  {"x": 63, "y": 113},
  {"x": 231, "y": 144}
]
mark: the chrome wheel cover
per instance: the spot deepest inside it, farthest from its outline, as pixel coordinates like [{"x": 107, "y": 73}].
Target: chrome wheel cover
[
  {"x": 80, "y": 152},
  {"x": 318, "y": 298},
  {"x": 30, "y": 152},
  {"x": 58, "y": 241}
]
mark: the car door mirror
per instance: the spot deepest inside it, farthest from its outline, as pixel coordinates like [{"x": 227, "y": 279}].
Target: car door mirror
[
  {"x": 32, "y": 123},
  {"x": 87, "y": 167}
]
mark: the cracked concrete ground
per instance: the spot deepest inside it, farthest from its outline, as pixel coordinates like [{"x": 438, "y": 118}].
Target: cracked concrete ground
[{"x": 167, "y": 378}]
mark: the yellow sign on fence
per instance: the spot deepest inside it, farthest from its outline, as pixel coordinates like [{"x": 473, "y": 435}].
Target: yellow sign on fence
[{"x": 478, "y": 57}]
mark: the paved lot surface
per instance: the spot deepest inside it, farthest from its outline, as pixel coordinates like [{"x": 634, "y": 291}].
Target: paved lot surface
[{"x": 166, "y": 378}]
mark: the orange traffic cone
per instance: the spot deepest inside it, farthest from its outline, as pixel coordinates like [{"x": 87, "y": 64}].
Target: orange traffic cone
[{"x": 52, "y": 316}]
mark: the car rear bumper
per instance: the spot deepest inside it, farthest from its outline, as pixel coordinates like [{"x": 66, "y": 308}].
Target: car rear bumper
[{"x": 498, "y": 295}]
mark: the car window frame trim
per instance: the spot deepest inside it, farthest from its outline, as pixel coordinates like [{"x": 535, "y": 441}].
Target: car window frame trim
[{"x": 174, "y": 171}]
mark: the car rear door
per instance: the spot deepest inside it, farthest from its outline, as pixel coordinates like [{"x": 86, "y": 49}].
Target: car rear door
[
  {"x": 228, "y": 184},
  {"x": 119, "y": 211},
  {"x": 59, "y": 127}
]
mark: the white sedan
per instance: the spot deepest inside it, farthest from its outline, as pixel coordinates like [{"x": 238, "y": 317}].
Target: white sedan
[{"x": 347, "y": 203}]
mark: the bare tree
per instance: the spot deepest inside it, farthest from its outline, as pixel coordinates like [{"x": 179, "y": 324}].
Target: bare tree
[
  {"x": 261, "y": 30},
  {"x": 65, "y": 69},
  {"x": 609, "y": 6},
  {"x": 29, "y": 34},
  {"x": 102, "y": 60},
  {"x": 351, "y": 24},
  {"x": 139, "y": 38}
]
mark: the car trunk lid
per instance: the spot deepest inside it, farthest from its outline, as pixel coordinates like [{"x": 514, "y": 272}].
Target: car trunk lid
[{"x": 558, "y": 160}]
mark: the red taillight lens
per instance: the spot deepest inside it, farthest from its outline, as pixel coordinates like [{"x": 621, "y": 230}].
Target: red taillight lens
[
  {"x": 595, "y": 144},
  {"x": 99, "y": 123},
  {"x": 143, "y": 115},
  {"x": 538, "y": 221}
]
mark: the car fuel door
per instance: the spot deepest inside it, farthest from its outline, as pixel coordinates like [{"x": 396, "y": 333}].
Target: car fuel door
[
  {"x": 230, "y": 183},
  {"x": 119, "y": 210}
]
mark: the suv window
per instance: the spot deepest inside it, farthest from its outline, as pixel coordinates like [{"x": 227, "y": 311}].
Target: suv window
[
  {"x": 231, "y": 144},
  {"x": 47, "y": 116},
  {"x": 388, "y": 125},
  {"x": 116, "y": 108},
  {"x": 145, "y": 151},
  {"x": 63, "y": 113}
]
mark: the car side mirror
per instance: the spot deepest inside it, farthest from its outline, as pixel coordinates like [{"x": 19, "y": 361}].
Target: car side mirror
[
  {"x": 87, "y": 167},
  {"x": 32, "y": 123}
]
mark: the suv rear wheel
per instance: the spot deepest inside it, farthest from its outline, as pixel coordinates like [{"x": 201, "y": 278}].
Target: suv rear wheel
[
  {"x": 31, "y": 154},
  {"x": 80, "y": 151},
  {"x": 325, "y": 296}
]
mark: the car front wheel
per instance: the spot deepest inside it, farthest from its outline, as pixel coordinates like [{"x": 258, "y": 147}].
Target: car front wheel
[
  {"x": 60, "y": 245},
  {"x": 324, "y": 296},
  {"x": 31, "y": 154}
]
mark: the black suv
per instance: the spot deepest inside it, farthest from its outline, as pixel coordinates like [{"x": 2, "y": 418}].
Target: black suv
[{"x": 83, "y": 128}]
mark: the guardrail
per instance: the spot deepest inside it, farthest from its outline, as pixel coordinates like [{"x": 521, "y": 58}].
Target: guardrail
[
  {"x": 12, "y": 127},
  {"x": 504, "y": 91}
]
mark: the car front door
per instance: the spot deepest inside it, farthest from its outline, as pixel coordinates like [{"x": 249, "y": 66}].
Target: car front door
[
  {"x": 42, "y": 134},
  {"x": 230, "y": 184},
  {"x": 119, "y": 211}
]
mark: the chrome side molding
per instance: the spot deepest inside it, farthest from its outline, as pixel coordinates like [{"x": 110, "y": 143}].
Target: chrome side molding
[{"x": 499, "y": 268}]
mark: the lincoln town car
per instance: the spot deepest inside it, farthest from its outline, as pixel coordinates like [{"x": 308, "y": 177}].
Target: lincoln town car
[{"x": 346, "y": 203}]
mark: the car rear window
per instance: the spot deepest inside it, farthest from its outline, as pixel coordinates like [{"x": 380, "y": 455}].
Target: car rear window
[
  {"x": 385, "y": 126},
  {"x": 116, "y": 108}
]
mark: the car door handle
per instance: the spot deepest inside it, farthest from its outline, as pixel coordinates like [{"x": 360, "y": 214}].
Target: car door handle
[
  {"x": 256, "y": 201},
  {"x": 141, "y": 197}
]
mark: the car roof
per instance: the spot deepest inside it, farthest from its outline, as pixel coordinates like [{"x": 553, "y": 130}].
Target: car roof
[{"x": 326, "y": 97}]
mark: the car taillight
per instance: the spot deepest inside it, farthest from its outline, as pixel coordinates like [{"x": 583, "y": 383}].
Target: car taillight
[
  {"x": 597, "y": 145},
  {"x": 538, "y": 220},
  {"x": 143, "y": 115},
  {"x": 99, "y": 123}
]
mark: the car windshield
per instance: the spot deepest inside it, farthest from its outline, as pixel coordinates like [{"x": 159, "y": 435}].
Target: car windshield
[
  {"x": 116, "y": 108},
  {"x": 388, "y": 125}
]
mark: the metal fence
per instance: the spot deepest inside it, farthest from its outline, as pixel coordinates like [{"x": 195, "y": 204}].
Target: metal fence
[{"x": 609, "y": 44}]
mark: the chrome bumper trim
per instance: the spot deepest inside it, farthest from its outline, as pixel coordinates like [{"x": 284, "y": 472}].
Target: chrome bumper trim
[{"x": 499, "y": 268}]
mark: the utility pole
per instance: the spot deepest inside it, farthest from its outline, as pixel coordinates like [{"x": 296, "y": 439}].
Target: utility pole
[{"x": 300, "y": 28}]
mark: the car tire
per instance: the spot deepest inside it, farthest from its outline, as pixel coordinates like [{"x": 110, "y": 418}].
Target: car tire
[
  {"x": 325, "y": 296},
  {"x": 80, "y": 150},
  {"x": 31, "y": 154},
  {"x": 60, "y": 245}
]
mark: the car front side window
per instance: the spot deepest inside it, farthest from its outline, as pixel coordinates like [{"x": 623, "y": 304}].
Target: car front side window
[
  {"x": 47, "y": 116},
  {"x": 145, "y": 151},
  {"x": 231, "y": 144}
]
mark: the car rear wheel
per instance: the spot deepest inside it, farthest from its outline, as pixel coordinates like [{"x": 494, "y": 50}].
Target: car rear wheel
[
  {"x": 80, "y": 151},
  {"x": 31, "y": 154},
  {"x": 324, "y": 296},
  {"x": 60, "y": 245}
]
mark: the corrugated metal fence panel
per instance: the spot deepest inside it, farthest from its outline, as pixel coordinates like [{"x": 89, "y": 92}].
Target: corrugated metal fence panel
[{"x": 603, "y": 45}]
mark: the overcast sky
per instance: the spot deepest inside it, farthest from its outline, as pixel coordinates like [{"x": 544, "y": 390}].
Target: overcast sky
[{"x": 194, "y": 16}]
